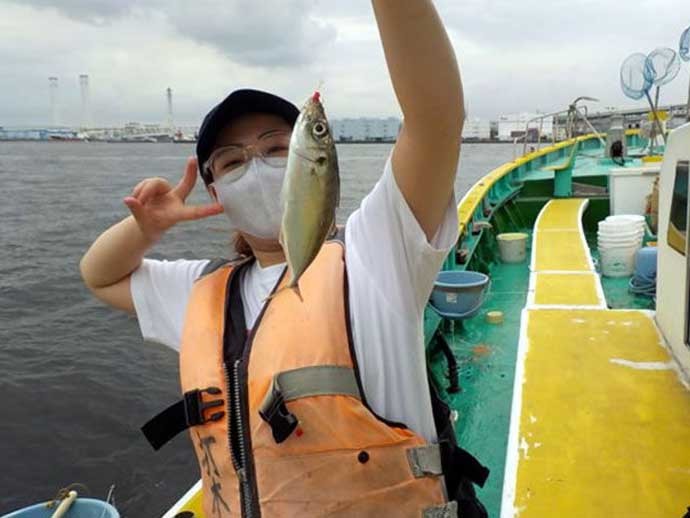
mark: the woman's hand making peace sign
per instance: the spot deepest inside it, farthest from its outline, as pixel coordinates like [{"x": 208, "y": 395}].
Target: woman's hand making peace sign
[{"x": 157, "y": 206}]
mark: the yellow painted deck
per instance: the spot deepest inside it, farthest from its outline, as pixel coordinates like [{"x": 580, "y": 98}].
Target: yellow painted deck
[
  {"x": 601, "y": 419},
  {"x": 561, "y": 214},
  {"x": 558, "y": 241},
  {"x": 579, "y": 289}
]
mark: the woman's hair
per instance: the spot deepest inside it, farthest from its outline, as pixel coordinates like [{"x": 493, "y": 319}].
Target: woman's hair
[{"x": 241, "y": 246}]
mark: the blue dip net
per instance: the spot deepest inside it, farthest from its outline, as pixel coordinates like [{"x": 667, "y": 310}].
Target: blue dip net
[
  {"x": 634, "y": 82},
  {"x": 661, "y": 66},
  {"x": 684, "y": 45}
]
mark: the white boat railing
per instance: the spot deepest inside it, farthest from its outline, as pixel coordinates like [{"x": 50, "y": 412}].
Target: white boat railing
[
  {"x": 573, "y": 112},
  {"x": 523, "y": 138}
]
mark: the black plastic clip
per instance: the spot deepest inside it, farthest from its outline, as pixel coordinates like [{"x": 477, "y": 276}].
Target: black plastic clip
[
  {"x": 279, "y": 418},
  {"x": 194, "y": 406}
]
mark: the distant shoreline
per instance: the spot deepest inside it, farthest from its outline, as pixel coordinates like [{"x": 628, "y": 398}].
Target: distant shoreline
[
  {"x": 77, "y": 141},
  {"x": 464, "y": 141}
]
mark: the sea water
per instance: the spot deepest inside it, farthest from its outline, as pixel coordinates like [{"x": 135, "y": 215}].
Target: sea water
[{"x": 76, "y": 379}]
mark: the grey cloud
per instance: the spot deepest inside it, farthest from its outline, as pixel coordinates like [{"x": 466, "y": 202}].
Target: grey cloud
[
  {"x": 267, "y": 33},
  {"x": 262, "y": 34},
  {"x": 514, "y": 55},
  {"x": 534, "y": 24},
  {"x": 90, "y": 11}
]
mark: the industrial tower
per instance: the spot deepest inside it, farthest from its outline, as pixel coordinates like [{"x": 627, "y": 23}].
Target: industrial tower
[
  {"x": 85, "y": 101},
  {"x": 53, "y": 85}
]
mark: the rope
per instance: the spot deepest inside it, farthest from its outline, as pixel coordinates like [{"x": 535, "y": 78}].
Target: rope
[{"x": 642, "y": 285}]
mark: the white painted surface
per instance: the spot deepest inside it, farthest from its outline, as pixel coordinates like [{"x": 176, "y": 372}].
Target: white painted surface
[
  {"x": 629, "y": 188},
  {"x": 643, "y": 366},
  {"x": 671, "y": 273},
  {"x": 508, "y": 509}
]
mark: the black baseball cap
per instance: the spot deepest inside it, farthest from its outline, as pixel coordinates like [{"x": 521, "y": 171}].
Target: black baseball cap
[{"x": 238, "y": 103}]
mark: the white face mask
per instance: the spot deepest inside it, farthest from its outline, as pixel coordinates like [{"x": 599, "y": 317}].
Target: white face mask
[{"x": 251, "y": 199}]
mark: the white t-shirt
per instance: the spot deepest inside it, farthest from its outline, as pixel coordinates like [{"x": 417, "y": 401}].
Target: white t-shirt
[{"x": 391, "y": 271}]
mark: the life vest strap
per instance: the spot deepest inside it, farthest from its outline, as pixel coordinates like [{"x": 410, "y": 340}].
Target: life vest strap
[
  {"x": 319, "y": 380},
  {"x": 425, "y": 460},
  {"x": 463, "y": 462},
  {"x": 188, "y": 412},
  {"x": 449, "y": 510}
]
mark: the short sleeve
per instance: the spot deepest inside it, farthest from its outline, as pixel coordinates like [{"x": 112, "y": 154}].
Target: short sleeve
[
  {"x": 386, "y": 241},
  {"x": 391, "y": 268},
  {"x": 160, "y": 291}
]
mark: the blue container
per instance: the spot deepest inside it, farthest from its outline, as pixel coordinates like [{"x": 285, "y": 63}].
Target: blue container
[
  {"x": 643, "y": 281},
  {"x": 459, "y": 294},
  {"x": 81, "y": 508},
  {"x": 645, "y": 262}
]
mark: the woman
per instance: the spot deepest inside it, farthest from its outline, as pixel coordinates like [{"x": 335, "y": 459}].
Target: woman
[{"x": 361, "y": 317}]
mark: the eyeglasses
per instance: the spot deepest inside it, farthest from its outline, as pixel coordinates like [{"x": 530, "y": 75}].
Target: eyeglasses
[{"x": 271, "y": 148}]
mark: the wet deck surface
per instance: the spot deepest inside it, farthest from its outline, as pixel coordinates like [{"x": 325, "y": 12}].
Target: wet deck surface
[{"x": 486, "y": 356}]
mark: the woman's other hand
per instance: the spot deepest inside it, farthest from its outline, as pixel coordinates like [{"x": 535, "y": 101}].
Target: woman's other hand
[{"x": 157, "y": 206}]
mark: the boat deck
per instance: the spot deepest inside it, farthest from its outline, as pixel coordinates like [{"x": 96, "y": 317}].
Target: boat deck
[
  {"x": 597, "y": 402},
  {"x": 587, "y": 164}
]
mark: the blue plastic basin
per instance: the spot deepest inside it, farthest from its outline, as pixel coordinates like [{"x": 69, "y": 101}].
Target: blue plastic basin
[
  {"x": 458, "y": 294},
  {"x": 81, "y": 508},
  {"x": 645, "y": 262}
]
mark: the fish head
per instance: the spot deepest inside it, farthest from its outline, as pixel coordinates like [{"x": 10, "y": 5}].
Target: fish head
[{"x": 311, "y": 137}]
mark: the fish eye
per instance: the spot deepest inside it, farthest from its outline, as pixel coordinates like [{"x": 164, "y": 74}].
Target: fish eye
[{"x": 319, "y": 129}]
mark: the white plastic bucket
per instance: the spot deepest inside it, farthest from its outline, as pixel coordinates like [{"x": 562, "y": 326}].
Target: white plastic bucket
[
  {"x": 617, "y": 262},
  {"x": 607, "y": 245},
  {"x": 628, "y": 234},
  {"x": 616, "y": 227},
  {"x": 632, "y": 218},
  {"x": 617, "y": 243},
  {"x": 512, "y": 247},
  {"x": 619, "y": 239}
]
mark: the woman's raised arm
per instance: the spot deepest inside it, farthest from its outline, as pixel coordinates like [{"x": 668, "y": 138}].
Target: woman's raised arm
[{"x": 426, "y": 81}]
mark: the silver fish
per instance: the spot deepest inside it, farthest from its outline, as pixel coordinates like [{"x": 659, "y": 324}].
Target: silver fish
[{"x": 311, "y": 190}]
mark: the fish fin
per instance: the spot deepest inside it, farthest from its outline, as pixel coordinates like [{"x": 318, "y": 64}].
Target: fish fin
[
  {"x": 274, "y": 294},
  {"x": 297, "y": 291},
  {"x": 294, "y": 288}
]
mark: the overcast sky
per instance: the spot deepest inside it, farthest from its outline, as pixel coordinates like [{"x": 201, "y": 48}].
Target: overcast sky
[{"x": 515, "y": 55}]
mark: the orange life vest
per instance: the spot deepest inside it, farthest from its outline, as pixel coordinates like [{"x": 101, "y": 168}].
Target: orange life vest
[{"x": 285, "y": 430}]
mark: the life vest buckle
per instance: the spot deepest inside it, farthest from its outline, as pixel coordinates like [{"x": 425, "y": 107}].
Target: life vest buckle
[
  {"x": 279, "y": 418},
  {"x": 195, "y": 406},
  {"x": 187, "y": 412}
]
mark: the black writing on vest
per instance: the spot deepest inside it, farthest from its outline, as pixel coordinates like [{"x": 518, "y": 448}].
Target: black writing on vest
[{"x": 209, "y": 464}]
